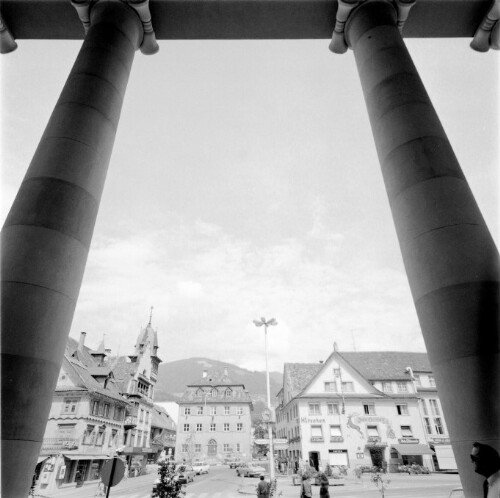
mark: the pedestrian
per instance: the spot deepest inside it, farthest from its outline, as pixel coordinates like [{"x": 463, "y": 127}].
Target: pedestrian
[
  {"x": 263, "y": 488},
  {"x": 487, "y": 463},
  {"x": 323, "y": 486},
  {"x": 305, "y": 487}
]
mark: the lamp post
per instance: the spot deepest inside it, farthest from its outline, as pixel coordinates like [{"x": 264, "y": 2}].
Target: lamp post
[{"x": 260, "y": 323}]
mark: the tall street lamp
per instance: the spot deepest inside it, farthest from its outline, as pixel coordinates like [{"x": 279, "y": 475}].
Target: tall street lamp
[{"x": 260, "y": 323}]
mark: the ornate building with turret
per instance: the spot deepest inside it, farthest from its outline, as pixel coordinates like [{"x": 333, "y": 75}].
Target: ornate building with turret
[{"x": 136, "y": 376}]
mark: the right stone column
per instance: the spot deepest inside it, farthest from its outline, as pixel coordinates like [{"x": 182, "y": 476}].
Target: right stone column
[{"x": 450, "y": 258}]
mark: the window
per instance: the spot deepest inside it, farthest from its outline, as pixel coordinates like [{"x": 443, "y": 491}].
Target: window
[
  {"x": 418, "y": 380},
  {"x": 238, "y": 447},
  {"x": 227, "y": 447},
  {"x": 199, "y": 427},
  {"x": 424, "y": 407},
  {"x": 214, "y": 393},
  {"x": 95, "y": 407},
  {"x": 333, "y": 409},
  {"x": 432, "y": 381},
  {"x": 143, "y": 388},
  {"x": 106, "y": 410},
  {"x": 227, "y": 410},
  {"x": 330, "y": 387},
  {"x": 118, "y": 415},
  {"x": 141, "y": 415},
  {"x": 314, "y": 409},
  {"x": 184, "y": 448},
  {"x": 186, "y": 427},
  {"x": 402, "y": 409},
  {"x": 66, "y": 431},
  {"x": 88, "y": 435},
  {"x": 372, "y": 430},
  {"x": 369, "y": 408},
  {"x": 316, "y": 433},
  {"x": 213, "y": 410},
  {"x": 70, "y": 405},
  {"x": 200, "y": 410},
  {"x": 438, "y": 424},
  {"x": 212, "y": 427},
  {"x": 112, "y": 439},
  {"x": 197, "y": 448},
  {"x": 406, "y": 431},
  {"x": 239, "y": 410},
  {"x": 239, "y": 426},
  {"x": 434, "y": 407},
  {"x": 187, "y": 410},
  {"x": 335, "y": 431},
  {"x": 347, "y": 387},
  {"x": 402, "y": 387},
  {"x": 226, "y": 427},
  {"x": 387, "y": 387},
  {"x": 228, "y": 393},
  {"x": 428, "y": 426}
]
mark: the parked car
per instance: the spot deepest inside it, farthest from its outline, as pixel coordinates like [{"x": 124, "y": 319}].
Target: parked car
[
  {"x": 184, "y": 473},
  {"x": 233, "y": 464},
  {"x": 201, "y": 467},
  {"x": 250, "y": 470},
  {"x": 457, "y": 493}
]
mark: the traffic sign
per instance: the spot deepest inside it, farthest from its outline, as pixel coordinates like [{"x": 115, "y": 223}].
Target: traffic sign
[{"x": 112, "y": 472}]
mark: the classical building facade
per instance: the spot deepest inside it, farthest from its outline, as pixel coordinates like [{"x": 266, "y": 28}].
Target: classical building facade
[
  {"x": 214, "y": 420},
  {"x": 370, "y": 408},
  {"x": 86, "y": 421}
]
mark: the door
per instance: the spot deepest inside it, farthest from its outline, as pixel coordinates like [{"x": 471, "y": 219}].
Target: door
[
  {"x": 212, "y": 448},
  {"x": 314, "y": 459},
  {"x": 378, "y": 459}
]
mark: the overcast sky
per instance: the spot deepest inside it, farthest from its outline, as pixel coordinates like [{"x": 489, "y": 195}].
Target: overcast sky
[{"x": 244, "y": 182}]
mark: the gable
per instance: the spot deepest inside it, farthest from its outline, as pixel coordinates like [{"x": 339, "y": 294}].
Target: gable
[{"x": 335, "y": 371}]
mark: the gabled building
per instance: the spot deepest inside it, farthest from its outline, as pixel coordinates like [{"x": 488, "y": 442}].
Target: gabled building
[
  {"x": 85, "y": 424},
  {"x": 214, "y": 420},
  {"x": 136, "y": 376},
  {"x": 163, "y": 430},
  {"x": 357, "y": 409}
]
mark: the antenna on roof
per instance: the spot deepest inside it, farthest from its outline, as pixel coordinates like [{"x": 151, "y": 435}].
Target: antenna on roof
[{"x": 150, "y": 315}]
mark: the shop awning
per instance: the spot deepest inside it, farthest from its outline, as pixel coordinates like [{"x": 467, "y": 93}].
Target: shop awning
[
  {"x": 85, "y": 456},
  {"x": 412, "y": 449}
]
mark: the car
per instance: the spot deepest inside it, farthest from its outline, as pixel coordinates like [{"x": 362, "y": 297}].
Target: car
[
  {"x": 250, "y": 470},
  {"x": 234, "y": 463},
  {"x": 184, "y": 473},
  {"x": 456, "y": 493},
  {"x": 201, "y": 467}
]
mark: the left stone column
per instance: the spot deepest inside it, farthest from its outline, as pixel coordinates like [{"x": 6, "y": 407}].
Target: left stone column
[{"x": 47, "y": 234}]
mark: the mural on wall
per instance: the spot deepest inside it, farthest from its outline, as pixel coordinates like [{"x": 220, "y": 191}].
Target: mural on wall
[{"x": 354, "y": 418}]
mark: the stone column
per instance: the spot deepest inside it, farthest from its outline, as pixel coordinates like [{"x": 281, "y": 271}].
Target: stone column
[
  {"x": 450, "y": 258},
  {"x": 46, "y": 237}
]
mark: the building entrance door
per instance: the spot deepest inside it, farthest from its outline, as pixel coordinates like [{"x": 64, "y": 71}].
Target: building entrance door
[
  {"x": 377, "y": 456},
  {"x": 212, "y": 448},
  {"x": 314, "y": 459}
]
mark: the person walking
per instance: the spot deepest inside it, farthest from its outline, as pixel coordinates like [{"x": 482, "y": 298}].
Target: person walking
[
  {"x": 263, "y": 488},
  {"x": 323, "y": 486},
  {"x": 305, "y": 487}
]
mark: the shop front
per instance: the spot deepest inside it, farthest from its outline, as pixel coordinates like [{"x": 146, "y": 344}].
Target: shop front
[{"x": 409, "y": 454}]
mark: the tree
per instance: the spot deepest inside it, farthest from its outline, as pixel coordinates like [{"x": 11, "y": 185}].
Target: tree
[{"x": 167, "y": 486}]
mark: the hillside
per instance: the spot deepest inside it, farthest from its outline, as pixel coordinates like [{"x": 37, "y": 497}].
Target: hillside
[{"x": 174, "y": 376}]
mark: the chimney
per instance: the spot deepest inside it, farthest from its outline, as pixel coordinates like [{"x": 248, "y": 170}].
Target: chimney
[
  {"x": 107, "y": 351},
  {"x": 205, "y": 373},
  {"x": 335, "y": 347},
  {"x": 81, "y": 343}
]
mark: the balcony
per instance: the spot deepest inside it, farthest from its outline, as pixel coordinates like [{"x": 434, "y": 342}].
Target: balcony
[
  {"x": 295, "y": 439},
  {"x": 336, "y": 439},
  {"x": 59, "y": 444},
  {"x": 317, "y": 439},
  {"x": 130, "y": 422}
]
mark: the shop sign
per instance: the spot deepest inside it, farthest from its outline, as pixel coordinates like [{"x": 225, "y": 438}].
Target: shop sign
[
  {"x": 409, "y": 440},
  {"x": 337, "y": 451},
  {"x": 62, "y": 472},
  {"x": 437, "y": 440},
  {"x": 308, "y": 420}
]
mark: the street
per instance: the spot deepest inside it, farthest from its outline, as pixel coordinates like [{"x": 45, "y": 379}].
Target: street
[{"x": 222, "y": 482}]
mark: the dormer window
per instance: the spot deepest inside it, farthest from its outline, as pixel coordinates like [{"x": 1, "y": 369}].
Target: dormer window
[
  {"x": 214, "y": 393},
  {"x": 228, "y": 393}
]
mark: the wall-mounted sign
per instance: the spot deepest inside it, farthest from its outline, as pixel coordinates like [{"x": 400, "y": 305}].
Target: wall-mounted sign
[
  {"x": 409, "y": 440},
  {"x": 62, "y": 472},
  {"x": 309, "y": 420}
]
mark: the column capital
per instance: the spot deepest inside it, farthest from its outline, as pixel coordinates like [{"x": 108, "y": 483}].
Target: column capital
[
  {"x": 347, "y": 8},
  {"x": 149, "y": 45},
  {"x": 488, "y": 34}
]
